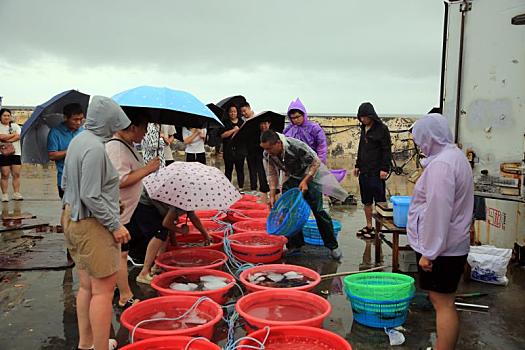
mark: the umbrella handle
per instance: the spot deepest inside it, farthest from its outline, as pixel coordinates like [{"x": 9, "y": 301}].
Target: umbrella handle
[{"x": 158, "y": 142}]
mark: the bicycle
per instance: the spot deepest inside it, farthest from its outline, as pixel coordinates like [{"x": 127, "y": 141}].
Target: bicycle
[{"x": 414, "y": 155}]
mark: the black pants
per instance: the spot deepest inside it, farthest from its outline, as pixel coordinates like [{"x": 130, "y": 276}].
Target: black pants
[
  {"x": 60, "y": 192},
  {"x": 314, "y": 198},
  {"x": 196, "y": 157},
  {"x": 256, "y": 170},
  {"x": 238, "y": 162}
]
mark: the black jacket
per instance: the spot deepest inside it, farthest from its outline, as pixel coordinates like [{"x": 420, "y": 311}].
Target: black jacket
[
  {"x": 375, "y": 147},
  {"x": 230, "y": 150}
]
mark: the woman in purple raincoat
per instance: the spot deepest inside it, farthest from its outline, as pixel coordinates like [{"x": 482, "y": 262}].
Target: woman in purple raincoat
[{"x": 305, "y": 130}]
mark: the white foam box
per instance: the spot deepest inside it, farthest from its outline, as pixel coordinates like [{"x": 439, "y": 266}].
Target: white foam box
[{"x": 407, "y": 261}]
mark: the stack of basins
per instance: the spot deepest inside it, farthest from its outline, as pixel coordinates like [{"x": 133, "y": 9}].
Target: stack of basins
[{"x": 279, "y": 295}]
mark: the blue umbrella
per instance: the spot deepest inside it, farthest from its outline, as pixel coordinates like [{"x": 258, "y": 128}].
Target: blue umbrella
[
  {"x": 44, "y": 117},
  {"x": 166, "y": 106}
]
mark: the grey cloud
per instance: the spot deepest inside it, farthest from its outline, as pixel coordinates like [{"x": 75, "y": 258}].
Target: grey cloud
[{"x": 400, "y": 38}]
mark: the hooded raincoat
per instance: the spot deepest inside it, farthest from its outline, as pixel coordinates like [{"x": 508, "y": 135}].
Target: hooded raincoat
[
  {"x": 90, "y": 181},
  {"x": 440, "y": 213},
  {"x": 309, "y": 132},
  {"x": 375, "y": 147}
]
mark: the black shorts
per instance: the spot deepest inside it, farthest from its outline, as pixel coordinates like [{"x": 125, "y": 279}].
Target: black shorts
[
  {"x": 148, "y": 221},
  {"x": 372, "y": 189},
  {"x": 445, "y": 275},
  {"x": 10, "y": 160}
]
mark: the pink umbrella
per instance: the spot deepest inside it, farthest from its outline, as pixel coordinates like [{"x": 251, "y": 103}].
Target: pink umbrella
[{"x": 191, "y": 186}]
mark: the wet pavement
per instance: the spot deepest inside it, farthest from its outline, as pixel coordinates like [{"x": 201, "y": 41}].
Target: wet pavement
[{"x": 38, "y": 307}]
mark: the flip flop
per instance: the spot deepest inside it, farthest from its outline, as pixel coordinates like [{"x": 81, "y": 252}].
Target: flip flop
[
  {"x": 145, "y": 280},
  {"x": 112, "y": 345},
  {"x": 130, "y": 302},
  {"x": 366, "y": 232}
]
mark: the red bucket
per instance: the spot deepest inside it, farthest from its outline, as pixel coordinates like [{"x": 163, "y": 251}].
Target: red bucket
[
  {"x": 245, "y": 205},
  {"x": 172, "y": 343},
  {"x": 161, "y": 283},
  {"x": 248, "y": 198},
  {"x": 255, "y": 225},
  {"x": 282, "y": 307},
  {"x": 191, "y": 258},
  {"x": 257, "y": 248},
  {"x": 243, "y": 215},
  {"x": 195, "y": 240},
  {"x": 211, "y": 226},
  {"x": 171, "y": 307},
  {"x": 205, "y": 215},
  {"x": 280, "y": 268},
  {"x": 297, "y": 337}
]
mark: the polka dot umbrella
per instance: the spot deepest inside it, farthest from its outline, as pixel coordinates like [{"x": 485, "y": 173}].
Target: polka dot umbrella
[{"x": 191, "y": 186}]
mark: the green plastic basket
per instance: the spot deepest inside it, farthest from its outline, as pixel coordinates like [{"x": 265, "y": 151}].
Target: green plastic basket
[{"x": 380, "y": 286}]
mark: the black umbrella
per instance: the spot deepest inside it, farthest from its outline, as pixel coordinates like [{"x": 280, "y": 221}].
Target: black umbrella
[
  {"x": 232, "y": 101},
  {"x": 250, "y": 131}
]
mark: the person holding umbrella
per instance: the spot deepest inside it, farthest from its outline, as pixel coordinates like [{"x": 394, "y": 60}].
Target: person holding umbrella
[
  {"x": 181, "y": 187},
  {"x": 131, "y": 170},
  {"x": 60, "y": 137},
  {"x": 91, "y": 220},
  {"x": 234, "y": 155},
  {"x": 157, "y": 221},
  {"x": 254, "y": 156}
]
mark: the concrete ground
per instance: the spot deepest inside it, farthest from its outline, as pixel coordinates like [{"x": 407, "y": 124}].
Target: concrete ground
[{"x": 38, "y": 307}]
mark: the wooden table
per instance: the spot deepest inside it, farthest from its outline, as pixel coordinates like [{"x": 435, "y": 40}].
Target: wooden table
[{"x": 386, "y": 225}]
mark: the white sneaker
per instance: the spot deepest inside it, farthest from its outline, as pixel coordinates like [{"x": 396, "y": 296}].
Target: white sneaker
[
  {"x": 5, "y": 197},
  {"x": 17, "y": 196},
  {"x": 336, "y": 254}
]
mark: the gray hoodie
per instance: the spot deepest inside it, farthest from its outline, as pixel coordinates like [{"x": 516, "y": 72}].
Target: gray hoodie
[{"x": 90, "y": 182}]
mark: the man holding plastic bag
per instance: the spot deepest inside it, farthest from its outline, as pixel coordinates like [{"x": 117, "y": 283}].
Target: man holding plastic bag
[
  {"x": 439, "y": 221},
  {"x": 302, "y": 168}
]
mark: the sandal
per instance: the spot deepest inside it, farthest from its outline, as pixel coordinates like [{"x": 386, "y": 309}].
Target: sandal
[
  {"x": 145, "y": 280},
  {"x": 366, "y": 232},
  {"x": 130, "y": 302},
  {"x": 112, "y": 345}
]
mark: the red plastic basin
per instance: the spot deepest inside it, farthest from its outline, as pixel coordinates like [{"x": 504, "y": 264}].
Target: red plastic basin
[
  {"x": 172, "y": 343},
  {"x": 170, "y": 306},
  {"x": 282, "y": 307},
  {"x": 211, "y": 226},
  {"x": 280, "y": 268},
  {"x": 161, "y": 283},
  {"x": 205, "y": 215},
  {"x": 257, "y": 225},
  {"x": 257, "y": 248},
  {"x": 248, "y": 205},
  {"x": 248, "y": 198},
  {"x": 297, "y": 337},
  {"x": 195, "y": 240},
  {"x": 243, "y": 215},
  {"x": 191, "y": 258}
]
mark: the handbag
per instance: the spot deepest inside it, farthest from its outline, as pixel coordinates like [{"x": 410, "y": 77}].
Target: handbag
[{"x": 7, "y": 149}]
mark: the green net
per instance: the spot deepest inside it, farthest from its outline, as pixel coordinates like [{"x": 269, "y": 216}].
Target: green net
[{"x": 380, "y": 286}]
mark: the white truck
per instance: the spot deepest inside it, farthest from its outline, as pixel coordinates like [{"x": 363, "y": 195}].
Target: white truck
[{"x": 483, "y": 97}]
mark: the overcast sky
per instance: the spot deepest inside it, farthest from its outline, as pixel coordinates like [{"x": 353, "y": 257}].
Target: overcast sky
[{"x": 333, "y": 54}]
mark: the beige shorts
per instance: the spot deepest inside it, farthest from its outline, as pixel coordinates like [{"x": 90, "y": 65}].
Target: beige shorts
[{"x": 91, "y": 245}]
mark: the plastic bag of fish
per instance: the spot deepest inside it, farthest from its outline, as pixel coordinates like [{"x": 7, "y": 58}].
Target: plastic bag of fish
[
  {"x": 279, "y": 280},
  {"x": 208, "y": 282}
]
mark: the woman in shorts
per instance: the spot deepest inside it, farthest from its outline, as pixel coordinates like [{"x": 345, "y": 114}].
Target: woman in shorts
[
  {"x": 10, "y": 164},
  {"x": 91, "y": 220}
]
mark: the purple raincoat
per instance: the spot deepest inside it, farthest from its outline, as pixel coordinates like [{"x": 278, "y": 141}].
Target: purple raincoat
[
  {"x": 440, "y": 213},
  {"x": 309, "y": 132}
]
